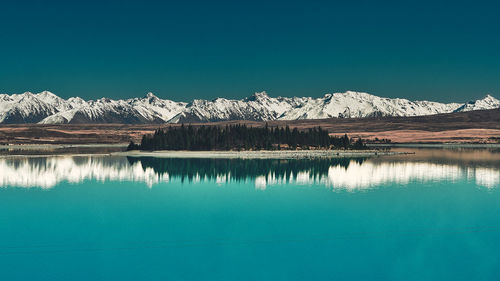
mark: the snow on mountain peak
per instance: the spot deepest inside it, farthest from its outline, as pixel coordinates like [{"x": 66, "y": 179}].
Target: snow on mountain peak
[
  {"x": 488, "y": 102},
  {"x": 262, "y": 94},
  {"x": 150, "y": 95},
  {"x": 151, "y": 98},
  {"x": 489, "y": 98},
  {"x": 352, "y": 93},
  {"x": 46, "y": 93},
  {"x": 27, "y": 95}
]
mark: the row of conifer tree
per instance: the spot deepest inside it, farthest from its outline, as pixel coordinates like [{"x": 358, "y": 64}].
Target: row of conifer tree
[{"x": 242, "y": 137}]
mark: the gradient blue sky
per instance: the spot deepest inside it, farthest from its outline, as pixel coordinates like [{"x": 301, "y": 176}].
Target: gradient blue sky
[{"x": 444, "y": 51}]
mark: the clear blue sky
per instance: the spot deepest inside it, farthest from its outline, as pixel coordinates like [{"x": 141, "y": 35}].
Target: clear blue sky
[{"x": 189, "y": 49}]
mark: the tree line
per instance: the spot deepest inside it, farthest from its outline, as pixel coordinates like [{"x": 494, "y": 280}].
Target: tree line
[{"x": 242, "y": 137}]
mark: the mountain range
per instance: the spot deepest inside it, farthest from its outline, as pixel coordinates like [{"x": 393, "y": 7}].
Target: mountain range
[{"x": 48, "y": 108}]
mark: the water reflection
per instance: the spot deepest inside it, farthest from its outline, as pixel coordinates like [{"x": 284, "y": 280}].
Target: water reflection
[
  {"x": 48, "y": 171},
  {"x": 344, "y": 173}
]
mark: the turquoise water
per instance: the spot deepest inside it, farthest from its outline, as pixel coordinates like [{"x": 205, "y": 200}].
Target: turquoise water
[{"x": 423, "y": 217}]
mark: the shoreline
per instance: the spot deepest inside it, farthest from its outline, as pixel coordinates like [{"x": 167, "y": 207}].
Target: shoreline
[
  {"x": 374, "y": 145},
  {"x": 261, "y": 154},
  {"x": 40, "y": 150},
  {"x": 434, "y": 145},
  {"x": 59, "y": 146}
]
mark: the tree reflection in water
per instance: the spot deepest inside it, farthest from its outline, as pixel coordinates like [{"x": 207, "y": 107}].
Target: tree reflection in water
[{"x": 241, "y": 169}]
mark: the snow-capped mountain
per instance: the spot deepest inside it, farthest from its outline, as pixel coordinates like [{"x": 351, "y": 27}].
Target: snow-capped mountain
[
  {"x": 488, "y": 102},
  {"x": 355, "y": 105},
  {"x": 47, "y": 108},
  {"x": 149, "y": 109},
  {"x": 30, "y": 108},
  {"x": 258, "y": 107}
]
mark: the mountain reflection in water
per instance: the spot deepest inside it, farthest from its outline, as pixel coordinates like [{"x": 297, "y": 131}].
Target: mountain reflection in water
[{"x": 337, "y": 173}]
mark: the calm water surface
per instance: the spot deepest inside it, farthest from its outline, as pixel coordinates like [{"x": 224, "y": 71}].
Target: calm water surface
[{"x": 429, "y": 216}]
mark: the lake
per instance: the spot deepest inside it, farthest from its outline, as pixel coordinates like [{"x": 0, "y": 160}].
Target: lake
[{"x": 428, "y": 216}]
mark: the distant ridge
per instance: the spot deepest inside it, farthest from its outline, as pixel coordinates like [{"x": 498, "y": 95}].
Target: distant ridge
[{"x": 48, "y": 108}]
